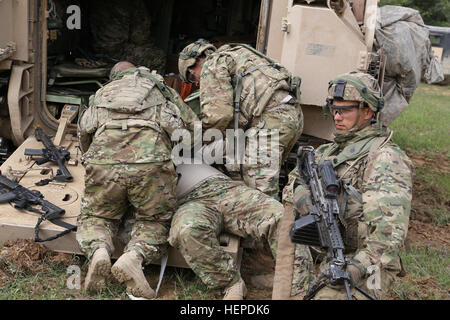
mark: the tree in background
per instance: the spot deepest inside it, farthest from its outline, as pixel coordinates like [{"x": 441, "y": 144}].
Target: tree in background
[{"x": 433, "y": 12}]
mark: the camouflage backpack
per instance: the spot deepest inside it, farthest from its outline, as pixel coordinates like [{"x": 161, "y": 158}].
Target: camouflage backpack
[
  {"x": 269, "y": 79},
  {"x": 280, "y": 72},
  {"x": 132, "y": 101}
]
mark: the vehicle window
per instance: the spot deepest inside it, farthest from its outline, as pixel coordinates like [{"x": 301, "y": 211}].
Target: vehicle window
[{"x": 435, "y": 40}]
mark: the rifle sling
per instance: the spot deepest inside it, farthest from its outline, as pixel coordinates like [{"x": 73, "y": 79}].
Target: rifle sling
[{"x": 69, "y": 227}]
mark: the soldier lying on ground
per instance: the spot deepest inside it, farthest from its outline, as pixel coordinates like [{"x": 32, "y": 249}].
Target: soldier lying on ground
[
  {"x": 267, "y": 96},
  {"x": 128, "y": 162},
  {"x": 375, "y": 178}
]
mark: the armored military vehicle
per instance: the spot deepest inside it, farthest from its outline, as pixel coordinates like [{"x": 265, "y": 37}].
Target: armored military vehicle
[
  {"x": 440, "y": 40},
  {"x": 51, "y": 61}
]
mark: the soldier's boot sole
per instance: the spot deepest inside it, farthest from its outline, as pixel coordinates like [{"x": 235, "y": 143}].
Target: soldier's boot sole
[
  {"x": 238, "y": 291},
  {"x": 129, "y": 270},
  {"x": 99, "y": 271}
]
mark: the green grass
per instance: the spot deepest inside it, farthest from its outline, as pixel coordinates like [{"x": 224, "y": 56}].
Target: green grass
[
  {"x": 428, "y": 270},
  {"x": 424, "y": 126},
  {"x": 423, "y": 130},
  {"x": 188, "y": 286},
  {"x": 46, "y": 284},
  {"x": 50, "y": 284},
  {"x": 435, "y": 193}
]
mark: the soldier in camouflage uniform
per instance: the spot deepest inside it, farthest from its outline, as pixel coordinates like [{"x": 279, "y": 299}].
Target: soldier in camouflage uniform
[
  {"x": 268, "y": 98},
  {"x": 376, "y": 190},
  {"x": 128, "y": 167},
  {"x": 122, "y": 31},
  {"x": 211, "y": 203}
]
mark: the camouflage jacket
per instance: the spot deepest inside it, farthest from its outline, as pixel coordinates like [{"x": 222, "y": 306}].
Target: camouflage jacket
[
  {"x": 262, "y": 88},
  {"x": 130, "y": 120},
  {"x": 375, "y": 229}
]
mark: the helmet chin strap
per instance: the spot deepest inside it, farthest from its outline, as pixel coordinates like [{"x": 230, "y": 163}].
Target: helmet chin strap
[
  {"x": 365, "y": 124},
  {"x": 355, "y": 125},
  {"x": 196, "y": 75},
  {"x": 378, "y": 119},
  {"x": 199, "y": 62}
]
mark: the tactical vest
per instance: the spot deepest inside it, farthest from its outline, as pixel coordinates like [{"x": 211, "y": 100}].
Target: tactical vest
[
  {"x": 133, "y": 101},
  {"x": 350, "y": 199},
  {"x": 256, "y": 80},
  {"x": 294, "y": 82}
]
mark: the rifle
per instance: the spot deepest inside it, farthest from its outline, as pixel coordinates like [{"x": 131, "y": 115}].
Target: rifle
[
  {"x": 320, "y": 228},
  {"x": 24, "y": 198},
  {"x": 53, "y": 154}
]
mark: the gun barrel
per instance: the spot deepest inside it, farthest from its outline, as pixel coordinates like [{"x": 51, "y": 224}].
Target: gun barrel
[
  {"x": 48, "y": 143},
  {"x": 38, "y": 133}
]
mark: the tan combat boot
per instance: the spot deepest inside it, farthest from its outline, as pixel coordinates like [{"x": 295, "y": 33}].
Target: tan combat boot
[
  {"x": 236, "y": 292},
  {"x": 128, "y": 269},
  {"x": 99, "y": 270}
]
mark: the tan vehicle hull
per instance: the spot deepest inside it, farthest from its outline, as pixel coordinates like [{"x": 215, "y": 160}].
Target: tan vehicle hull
[{"x": 312, "y": 41}]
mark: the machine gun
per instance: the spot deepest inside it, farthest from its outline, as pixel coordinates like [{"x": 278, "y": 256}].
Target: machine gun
[
  {"x": 320, "y": 228},
  {"x": 53, "y": 154},
  {"x": 24, "y": 198}
]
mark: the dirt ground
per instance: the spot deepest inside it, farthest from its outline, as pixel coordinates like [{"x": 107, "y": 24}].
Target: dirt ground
[
  {"x": 424, "y": 196},
  {"x": 29, "y": 256}
]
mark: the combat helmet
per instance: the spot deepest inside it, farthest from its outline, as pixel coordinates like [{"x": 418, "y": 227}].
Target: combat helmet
[
  {"x": 356, "y": 86},
  {"x": 190, "y": 53}
]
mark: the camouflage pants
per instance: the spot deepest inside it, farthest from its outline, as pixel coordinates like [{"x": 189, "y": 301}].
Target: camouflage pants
[
  {"x": 222, "y": 205},
  {"x": 112, "y": 190},
  {"x": 287, "y": 121},
  {"x": 304, "y": 275}
]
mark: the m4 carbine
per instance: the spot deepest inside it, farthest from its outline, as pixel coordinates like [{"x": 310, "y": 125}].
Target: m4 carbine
[
  {"x": 24, "y": 198},
  {"x": 320, "y": 228},
  {"x": 51, "y": 153}
]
